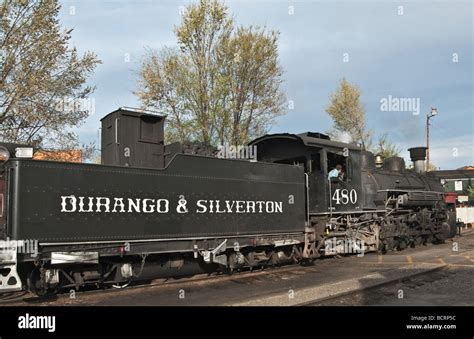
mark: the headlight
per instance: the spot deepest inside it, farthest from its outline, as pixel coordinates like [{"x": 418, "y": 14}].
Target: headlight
[{"x": 4, "y": 154}]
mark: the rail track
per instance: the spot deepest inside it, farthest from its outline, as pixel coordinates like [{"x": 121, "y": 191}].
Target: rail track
[
  {"x": 25, "y": 298},
  {"x": 29, "y": 298},
  {"x": 333, "y": 300}
]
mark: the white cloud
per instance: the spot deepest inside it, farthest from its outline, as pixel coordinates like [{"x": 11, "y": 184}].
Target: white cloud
[{"x": 406, "y": 56}]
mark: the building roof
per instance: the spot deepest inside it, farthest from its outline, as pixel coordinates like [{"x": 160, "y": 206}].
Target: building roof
[
  {"x": 134, "y": 112},
  {"x": 452, "y": 174}
]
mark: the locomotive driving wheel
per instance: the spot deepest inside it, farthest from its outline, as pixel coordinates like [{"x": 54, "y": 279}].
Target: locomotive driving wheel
[{"x": 444, "y": 232}]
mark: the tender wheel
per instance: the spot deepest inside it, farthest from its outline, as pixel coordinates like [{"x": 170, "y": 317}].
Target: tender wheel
[
  {"x": 208, "y": 268},
  {"x": 37, "y": 285}
]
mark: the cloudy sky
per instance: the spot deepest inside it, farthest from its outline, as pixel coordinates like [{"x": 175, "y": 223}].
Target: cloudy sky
[{"x": 420, "y": 50}]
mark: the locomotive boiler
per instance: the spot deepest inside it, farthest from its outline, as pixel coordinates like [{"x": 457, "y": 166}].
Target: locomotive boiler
[
  {"x": 153, "y": 207},
  {"x": 371, "y": 207}
]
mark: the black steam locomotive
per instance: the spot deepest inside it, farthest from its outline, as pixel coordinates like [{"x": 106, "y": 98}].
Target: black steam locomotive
[{"x": 151, "y": 207}]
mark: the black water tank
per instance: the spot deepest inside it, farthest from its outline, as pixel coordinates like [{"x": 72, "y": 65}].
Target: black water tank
[
  {"x": 417, "y": 153},
  {"x": 133, "y": 138},
  {"x": 395, "y": 164}
]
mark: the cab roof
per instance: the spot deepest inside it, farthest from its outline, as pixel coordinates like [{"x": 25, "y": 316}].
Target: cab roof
[{"x": 310, "y": 139}]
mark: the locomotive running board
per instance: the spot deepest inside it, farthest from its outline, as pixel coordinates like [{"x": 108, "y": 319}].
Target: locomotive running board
[
  {"x": 9, "y": 279},
  {"x": 347, "y": 212}
]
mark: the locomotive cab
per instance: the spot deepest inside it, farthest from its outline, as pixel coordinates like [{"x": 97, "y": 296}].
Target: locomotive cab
[
  {"x": 318, "y": 155},
  {"x": 361, "y": 205}
]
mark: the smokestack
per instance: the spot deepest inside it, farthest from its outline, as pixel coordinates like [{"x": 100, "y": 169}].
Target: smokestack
[{"x": 418, "y": 156}]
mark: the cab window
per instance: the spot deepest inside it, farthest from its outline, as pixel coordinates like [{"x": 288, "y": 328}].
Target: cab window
[
  {"x": 298, "y": 161},
  {"x": 334, "y": 159}
]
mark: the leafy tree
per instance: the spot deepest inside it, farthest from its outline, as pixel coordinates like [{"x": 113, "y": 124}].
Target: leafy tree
[
  {"x": 252, "y": 77},
  {"x": 42, "y": 79},
  {"x": 470, "y": 192},
  {"x": 348, "y": 113},
  {"x": 221, "y": 84},
  {"x": 386, "y": 148},
  {"x": 162, "y": 87}
]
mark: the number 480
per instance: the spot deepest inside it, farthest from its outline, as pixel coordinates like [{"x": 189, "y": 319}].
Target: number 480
[{"x": 344, "y": 196}]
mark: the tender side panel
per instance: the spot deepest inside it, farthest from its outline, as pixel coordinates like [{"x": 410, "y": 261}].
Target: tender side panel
[{"x": 254, "y": 198}]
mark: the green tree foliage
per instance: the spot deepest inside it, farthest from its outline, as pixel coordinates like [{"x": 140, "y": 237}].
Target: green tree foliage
[
  {"x": 42, "y": 79},
  {"x": 470, "y": 192},
  {"x": 386, "y": 148},
  {"x": 222, "y": 84},
  {"x": 348, "y": 113}
]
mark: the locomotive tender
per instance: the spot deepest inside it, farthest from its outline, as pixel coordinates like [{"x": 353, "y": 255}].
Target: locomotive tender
[{"x": 150, "y": 206}]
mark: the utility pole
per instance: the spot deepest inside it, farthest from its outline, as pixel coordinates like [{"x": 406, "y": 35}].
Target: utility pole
[
  {"x": 427, "y": 143},
  {"x": 433, "y": 113}
]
